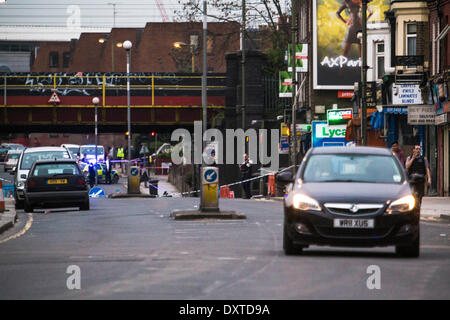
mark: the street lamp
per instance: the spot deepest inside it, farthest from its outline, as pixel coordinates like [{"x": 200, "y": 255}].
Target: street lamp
[
  {"x": 127, "y": 46},
  {"x": 192, "y": 46},
  {"x": 118, "y": 45},
  {"x": 95, "y": 101}
]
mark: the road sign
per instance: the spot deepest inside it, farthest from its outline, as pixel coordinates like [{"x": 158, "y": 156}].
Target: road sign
[
  {"x": 54, "y": 98},
  {"x": 134, "y": 171},
  {"x": 324, "y": 135},
  {"x": 210, "y": 175},
  {"x": 96, "y": 192}
]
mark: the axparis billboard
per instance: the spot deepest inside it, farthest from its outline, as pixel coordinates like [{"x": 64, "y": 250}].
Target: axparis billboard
[{"x": 337, "y": 49}]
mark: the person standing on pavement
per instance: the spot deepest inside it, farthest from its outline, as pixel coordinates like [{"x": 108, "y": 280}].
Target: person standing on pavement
[
  {"x": 398, "y": 152},
  {"x": 91, "y": 175},
  {"x": 246, "y": 173},
  {"x": 418, "y": 164},
  {"x": 120, "y": 156}
]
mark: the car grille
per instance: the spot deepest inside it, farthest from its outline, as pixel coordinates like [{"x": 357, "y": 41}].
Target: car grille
[
  {"x": 330, "y": 232},
  {"x": 353, "y": 208}
]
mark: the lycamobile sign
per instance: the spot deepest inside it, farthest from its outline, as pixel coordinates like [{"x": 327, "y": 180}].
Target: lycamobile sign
[
  {"x": 339, "y": 116},
  {"x": 324, "y": 135}
]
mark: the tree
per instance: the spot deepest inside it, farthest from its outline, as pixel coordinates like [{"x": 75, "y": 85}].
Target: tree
[{"x": 268, "y": 16}]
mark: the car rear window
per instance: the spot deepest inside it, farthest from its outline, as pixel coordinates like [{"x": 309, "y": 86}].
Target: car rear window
[
  {"x": 31, "y": 157},
  {"x": 352, "y": 168},
  {"x": 50, "y": 169},
  {"x": 13, "y": 155}
]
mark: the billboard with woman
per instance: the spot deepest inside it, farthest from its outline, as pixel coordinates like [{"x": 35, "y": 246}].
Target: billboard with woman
[{"x": 337, "y": 49}]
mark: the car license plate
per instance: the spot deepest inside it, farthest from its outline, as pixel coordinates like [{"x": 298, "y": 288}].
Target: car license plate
[
  {"x": 354, "y": 223},
  {"x": 57, "y": 181}
]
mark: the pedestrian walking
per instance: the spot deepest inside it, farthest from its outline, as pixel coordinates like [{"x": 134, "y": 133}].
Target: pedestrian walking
[
  {"x": 246, "y": 169},
  {"x": 417, "y": 164},
  {"x": 398, "y": 153},
  {"x": 108, "y": 169}
]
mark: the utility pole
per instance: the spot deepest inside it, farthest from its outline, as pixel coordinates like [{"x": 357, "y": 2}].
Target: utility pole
[
  {"x": 294, "y": 85},
  {"x": 364, "y": 74},
  {"x": 243, "y": 64},
  {"x": 111, "y": 40}
]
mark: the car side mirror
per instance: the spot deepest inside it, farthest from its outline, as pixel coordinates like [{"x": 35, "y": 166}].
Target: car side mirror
[
  {"x": 285, "y": 176},
  {"x": 13, "y": 171}
]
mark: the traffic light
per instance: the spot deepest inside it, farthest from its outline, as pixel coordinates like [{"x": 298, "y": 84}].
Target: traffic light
[
  {"x": 153, "y": 133},
  {"x": 127, "y": 133}
]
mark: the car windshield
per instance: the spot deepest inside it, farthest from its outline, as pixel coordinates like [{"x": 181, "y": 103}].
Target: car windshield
[
  {"x": 352, "y": 168},
  {"x": 91, "y": 150},
  {"x": 51, "y": 169},
  {"x": 31, "y": 157}
]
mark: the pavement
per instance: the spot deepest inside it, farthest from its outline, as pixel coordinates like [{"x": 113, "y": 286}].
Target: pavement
[{"x": 9, "y": 217}]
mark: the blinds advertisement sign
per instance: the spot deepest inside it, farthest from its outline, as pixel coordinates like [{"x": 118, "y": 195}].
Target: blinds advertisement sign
[
  {"x": 404, "y": 94},
  {"x": 336, "y": 47}
]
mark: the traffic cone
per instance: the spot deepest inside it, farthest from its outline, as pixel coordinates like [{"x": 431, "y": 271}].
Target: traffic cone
[
  {"x": 2, "y": 198},
  {"x": 272, "y": 189}
]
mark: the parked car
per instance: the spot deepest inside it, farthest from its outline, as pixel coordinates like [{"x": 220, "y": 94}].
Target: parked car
[
  {"x": 74, "y": 148},
  {"x": 351, "y": 196},
  {"x": 56, "y": 183},
  {"x": 87, "y": 153},
  {"x": 11, "y": 159},
  {"x": 26, "y": 160},
  {"x": 5, "y": 147}
]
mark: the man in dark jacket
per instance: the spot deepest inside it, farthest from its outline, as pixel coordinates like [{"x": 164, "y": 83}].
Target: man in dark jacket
[
  {"x": 418, "y": 164},
  {"x": 91, "y": 175}
]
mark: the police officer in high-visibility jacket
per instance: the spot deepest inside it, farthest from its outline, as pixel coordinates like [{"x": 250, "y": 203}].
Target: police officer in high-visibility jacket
[{"x": 120, "y": 156}]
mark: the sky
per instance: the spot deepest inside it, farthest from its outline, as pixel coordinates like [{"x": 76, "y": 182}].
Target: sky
[{"x": 89, "y": 13}]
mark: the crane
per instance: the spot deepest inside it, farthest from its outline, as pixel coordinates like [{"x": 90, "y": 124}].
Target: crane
[{"x": 163, "y": 12}]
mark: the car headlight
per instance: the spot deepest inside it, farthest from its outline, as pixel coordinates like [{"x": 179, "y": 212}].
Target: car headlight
[
  {"x": 403, "y": 204},
  {"x": 303, "y": 202}
]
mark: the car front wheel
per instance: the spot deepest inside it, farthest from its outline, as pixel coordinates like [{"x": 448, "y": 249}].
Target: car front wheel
[
  {"x": 288, "y": 245},
  {"x": 411, "y": 251}
]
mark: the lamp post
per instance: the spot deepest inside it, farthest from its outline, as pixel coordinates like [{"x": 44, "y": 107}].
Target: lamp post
[
  {"x": 127, "y": 46},
  {"x": 363, "y": 38},
  {"x": 95, "y": 101}
]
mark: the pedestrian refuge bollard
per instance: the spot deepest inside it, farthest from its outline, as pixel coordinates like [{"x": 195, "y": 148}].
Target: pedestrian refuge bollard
[
  {"x": 134, "y": 181},
  {"x": 209, "y": 191}
]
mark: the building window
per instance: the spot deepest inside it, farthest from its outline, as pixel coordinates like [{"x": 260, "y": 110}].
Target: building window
[
  {"x": 66, "y": 59},
  {"x": 411, "y": 39},
  {"x": 379, "y": 59},
  {"x": 53, "y": 59}
]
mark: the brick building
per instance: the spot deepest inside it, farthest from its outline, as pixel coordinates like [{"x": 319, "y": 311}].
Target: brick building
[{"x": 152, "y": 50}]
